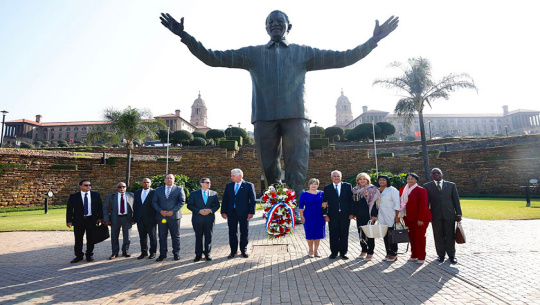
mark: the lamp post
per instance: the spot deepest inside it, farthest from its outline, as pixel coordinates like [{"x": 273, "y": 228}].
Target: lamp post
[
  {"x": 238, "y": 124},
  {"x": 230, "y": 130},
  {"x": 315, "y": 127},
  {"x": 3, "y": 122},
  {"x": 429, "y": 124},
  {"x": 506, "y": 129}
]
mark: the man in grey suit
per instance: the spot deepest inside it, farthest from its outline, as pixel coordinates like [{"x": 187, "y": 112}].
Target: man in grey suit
[
  {"x": 203, "y": 203},
  {"x": 446, "y": 210},
  {"x": 118, "y": 213},
  {"x": 145, "y": 216},
  {"x": 168, "y": 201}
]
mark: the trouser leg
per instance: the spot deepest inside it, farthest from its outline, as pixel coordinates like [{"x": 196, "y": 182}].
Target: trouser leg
[
  {"x": 333, "y": 226},
  {"x": 244, "y": 233},
  {"x": 143, "y": 237},
  {"x": 126, "y": 230},
  {"x": 174, "y": 228},
  {"x": 208, "y": 230},
  {"x": 438, "y": 236},
  {"x": 163, "y": 232},
  {"x": 232, "y": 222},
  {"x": 268, "y": 145},
  {"x": 450, "y": 237},
  {"x": 198, "y": 227},
  {"x": 115, "y": 233},
  {"x": 90, "y": 228},
  {"x": 344, "y": 234},
  {"x": 152, "y": 234}
]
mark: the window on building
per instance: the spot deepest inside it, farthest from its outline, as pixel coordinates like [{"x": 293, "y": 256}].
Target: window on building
[
  {"x": 75, "y": 136},
  {"x": 68, "y": 129},
  {"x": 60, "y": 129},
  {"x": 76, "y": 128},
  {"x": 52, "y": 136}
]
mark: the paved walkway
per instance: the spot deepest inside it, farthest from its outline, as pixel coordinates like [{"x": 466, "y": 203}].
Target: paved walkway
[{"x": 498, "y": 265}]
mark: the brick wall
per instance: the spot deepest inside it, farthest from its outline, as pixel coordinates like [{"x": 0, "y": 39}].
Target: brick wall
[{"x": 20, "y": 187}]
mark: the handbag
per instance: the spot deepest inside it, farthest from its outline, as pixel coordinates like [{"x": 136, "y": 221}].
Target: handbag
[
  {"x": 374, "y": 230},
  {"x": 396, "y": 236},
  {"x": 460, "y": 233},
  {"x": 101, "y": 233}
]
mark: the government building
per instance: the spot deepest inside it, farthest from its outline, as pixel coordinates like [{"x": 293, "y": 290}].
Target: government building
[
  {"x": 516, "y": 122},
  {"x": 30, "y": 131}
]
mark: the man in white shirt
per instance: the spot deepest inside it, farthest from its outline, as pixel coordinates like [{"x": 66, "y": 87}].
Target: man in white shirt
[{"x": 145, "y": 216}]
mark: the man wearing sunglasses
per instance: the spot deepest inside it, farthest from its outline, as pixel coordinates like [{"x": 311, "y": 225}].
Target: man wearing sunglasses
[
  {"x": 118, "y": 213},
  {"x": 84, "y": 210}
]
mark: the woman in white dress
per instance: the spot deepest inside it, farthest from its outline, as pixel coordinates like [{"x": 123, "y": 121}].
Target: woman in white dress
[{"x": 389, "y": 208}]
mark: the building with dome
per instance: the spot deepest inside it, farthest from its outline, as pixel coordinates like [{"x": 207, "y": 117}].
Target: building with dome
[
  {"x": 343, "y": 111},
  {"x": 199, "y": 116}
]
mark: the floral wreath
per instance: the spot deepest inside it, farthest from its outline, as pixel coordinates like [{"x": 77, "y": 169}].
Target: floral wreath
[{"x": 278, "y": 203}]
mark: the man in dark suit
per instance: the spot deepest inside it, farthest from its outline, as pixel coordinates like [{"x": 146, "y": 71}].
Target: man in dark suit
[
  {"x": 338, "y": 211},
  {"x": 446, "y": 210},
  {"x": 168, "y": 201},
  {"x": 238, "y": 207},
  {"x": 145, "y": 216},
  {"x": 118, "y": 213},
  {"x": 84, "y": 210},
  {"x": 203, "y": 203}
]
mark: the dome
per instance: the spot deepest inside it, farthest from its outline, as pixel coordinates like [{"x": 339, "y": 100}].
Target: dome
[
  {"x": 199, "y": 101},
  {"x": 343, "y": 100}
]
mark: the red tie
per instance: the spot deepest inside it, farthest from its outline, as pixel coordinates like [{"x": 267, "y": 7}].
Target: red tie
[{"x": 122, "y": 208}]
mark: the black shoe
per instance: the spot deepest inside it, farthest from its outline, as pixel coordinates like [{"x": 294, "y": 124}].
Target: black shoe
[
  {"x": 89, "y": 259},
  {"x": 208, "y": 258},
  {"x": 143, "y": 255},
  {"x": 126, "y": 254},
  {"x": 113, "y": 256},
  {"x": 76, "y": 260},
  {"x": 160, "y": 258},
  {"x": 440, "y": 259},
  {"x": 332, "y": 256},
  {"x": 232, "y": 255},
  {"x": 176, "y": 257},
  {"x": 344, "y": 257},
  {"x": 152, "y": 256},
  {"x": 197, "y": 258},
  {"x": 244, "y": 255},
  {"x": 453, "y": 260}
]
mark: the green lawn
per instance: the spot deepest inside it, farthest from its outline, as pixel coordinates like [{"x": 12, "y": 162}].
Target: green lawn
[
  {"x": 499, "y": 208},
  {"x": 38, "y": 221}
]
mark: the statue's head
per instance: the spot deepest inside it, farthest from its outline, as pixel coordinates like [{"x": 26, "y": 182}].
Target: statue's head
[{"x": 277, "y": 25}]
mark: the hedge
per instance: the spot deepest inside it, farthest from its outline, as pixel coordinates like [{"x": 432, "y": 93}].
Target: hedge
[
  {"x": 228, "y": 144},
  {"x": 237, "y": 139},
  {"x": 386, "y": 155},
  {"x": 11, "y": 165},
  {"x": 112, "y": 160},
  {"x": 318, "y": 143},
  {"x": 165, "y": 159},
  {"x": 65, "y": 166},
  {"x": 494, "y": 158}
]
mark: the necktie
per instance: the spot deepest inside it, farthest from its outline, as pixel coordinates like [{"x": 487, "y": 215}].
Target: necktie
[
  {"x": 86, "y": 211},
  {"x": 143, "y": 196},
  {"x": 122, "y": 208},
  {"x": 168, "y": 192},
  {"x": 236, "y": 188},
  {"x": 337, "y": 191},
  {"x": 439, "y": 185},
  {"x": 205, "y": 197}
]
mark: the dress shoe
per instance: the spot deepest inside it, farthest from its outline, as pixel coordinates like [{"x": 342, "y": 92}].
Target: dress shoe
[
  {"x": 232, "y": 255},
  {"x": 368, "y": 257},
  {"x": 76, "y": 260},
  {"x": 332, "y": 256},
  {"x": 440, "y": 259},
  {"x": 143, "y": 255},
  {"x": 362, "y": 255},
  {"x": 453, "y": 260},
  {"x": 244, "y": 255},
  {"x": 152, "y": 256},
  {"x": 316, "y": 254},
  {"x": 344, "y": 257},
  {"x": 412, "y": 259},
  {"x": 391, "y": 259},
  {"x": 90, "y": 259},
  {"x": 176, "y": 257},
  {"x": 197, "y": 258},
  {"x": 126, "y": 254},
  {"x": 208, "y": 258},
  {"x": 113, "y": 256},
  {"x": 160, "y": 258},
  {"x": 420, "y": 261}
]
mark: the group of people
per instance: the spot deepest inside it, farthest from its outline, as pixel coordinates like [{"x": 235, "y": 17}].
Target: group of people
[
  {"x": 159, "y": 211},
  {"x": 415, "y": 206}
]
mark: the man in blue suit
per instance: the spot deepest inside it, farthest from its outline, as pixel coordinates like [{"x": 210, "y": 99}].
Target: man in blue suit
[
  {"x": 238, "y": 207},
  {"x": 118, "y": 213},
  {"x": 168, "y": 201},
  {"x": 145, "y": 216}
]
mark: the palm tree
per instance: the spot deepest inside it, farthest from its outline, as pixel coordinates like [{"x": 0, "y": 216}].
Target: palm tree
[
  {"x": 131, "y": 124},
  {"x": 419, "y": 88}
]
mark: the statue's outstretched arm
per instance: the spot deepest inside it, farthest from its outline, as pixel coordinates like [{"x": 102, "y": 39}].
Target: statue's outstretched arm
[
  {"x": 174, "y": 26},
  {"x": 386, "y": 28}
]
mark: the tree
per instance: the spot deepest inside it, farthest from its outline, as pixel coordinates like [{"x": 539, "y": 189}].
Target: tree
[
  {"x": 131, "y": 124},
  {"x": 198, "y": 141},
  {"x": 162, "y": 135},
  {"x": 317, "y": 130},
  {"x": 333, "y": 131},
  {"x": 386, "y": 129},
  {"x": 236, "y": 132},
  {"x": 363, "y": 132},
  {"x": 419, "y": 88},
  {"x": 198, "y": 134},
  {"x": 181, "y": 136},
  {"x": 215, "y": 134}
]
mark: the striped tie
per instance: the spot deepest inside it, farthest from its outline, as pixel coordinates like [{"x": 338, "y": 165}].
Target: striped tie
[{"x": 168, "y": 192}]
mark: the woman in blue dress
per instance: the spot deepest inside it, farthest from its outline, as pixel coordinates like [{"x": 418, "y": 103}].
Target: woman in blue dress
[{"x": 311, "y": 216}]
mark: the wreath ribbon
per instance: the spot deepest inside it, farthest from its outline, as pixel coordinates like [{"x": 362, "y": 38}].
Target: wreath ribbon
[{"x": 272, "y": 213}]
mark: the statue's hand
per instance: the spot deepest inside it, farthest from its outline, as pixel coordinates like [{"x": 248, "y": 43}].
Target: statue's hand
[
  {"x": 386, "y": 28},
  {"x": 169, "y": 22}
]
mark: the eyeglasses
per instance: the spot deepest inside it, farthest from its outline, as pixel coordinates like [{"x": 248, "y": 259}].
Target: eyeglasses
[
  {"x": 87, "y": 185},
  {"x": 122, "y": 186},
  {"x": 207, "y": 182}
]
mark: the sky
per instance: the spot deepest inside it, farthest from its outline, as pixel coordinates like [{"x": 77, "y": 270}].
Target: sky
[{"x": 69, "y": 60}]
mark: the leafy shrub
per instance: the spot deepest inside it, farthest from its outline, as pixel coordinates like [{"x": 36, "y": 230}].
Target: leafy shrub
[
  {"x": 65, "y": 166},
  {"x": 228, "y": 144},
  {"x": 198, "y": 141},
  {"x": 386, "y": 155},
  {"x": 316, "y": 143},
  {"x": 494, "y": 158},
  {"x": 410, "y": 138},
  {"x": 198, "y": 134},
  {"x": 237, "y": 139},
  {"x": 26, "y": 145},
  {"x": 164, "y": 159}
]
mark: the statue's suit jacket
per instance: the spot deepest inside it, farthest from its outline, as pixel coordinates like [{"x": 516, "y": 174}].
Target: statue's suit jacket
[
  {"x": 444, "y": 204},
  {"x": 144, "y": 212},
  {"x": 174, "y": 203},
  {"x": 112, "y": 200},
  {"x": 196, "y": 203}
]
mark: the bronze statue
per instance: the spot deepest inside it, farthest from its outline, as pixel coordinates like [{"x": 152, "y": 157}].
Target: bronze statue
[{"x": 278, "y": 71}]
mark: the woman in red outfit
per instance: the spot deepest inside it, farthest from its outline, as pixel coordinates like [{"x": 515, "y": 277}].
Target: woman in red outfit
[{"x": 414, "y": 206}]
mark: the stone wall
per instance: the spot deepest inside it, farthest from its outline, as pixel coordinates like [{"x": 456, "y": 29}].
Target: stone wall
[{"x": 494, "y": 170}]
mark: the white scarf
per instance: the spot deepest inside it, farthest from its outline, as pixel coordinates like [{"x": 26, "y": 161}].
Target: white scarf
[{"x": 405, "y": 197}]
